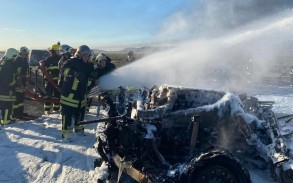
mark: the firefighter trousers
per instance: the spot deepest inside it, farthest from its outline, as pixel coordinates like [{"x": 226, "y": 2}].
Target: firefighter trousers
[
  {"x": 18, "y": 105},
  {"x": 51, "y": 92},
  {"x": 6, "y": 105},
  {"x": 70, "y": 118}
]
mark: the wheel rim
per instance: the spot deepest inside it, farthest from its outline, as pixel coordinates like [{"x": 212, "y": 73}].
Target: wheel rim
[{"x": 215, "y": 174}]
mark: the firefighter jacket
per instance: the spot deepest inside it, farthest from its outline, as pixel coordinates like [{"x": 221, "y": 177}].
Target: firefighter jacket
[
  {"x": 51, "y": 64},
  {"x": 60, "y": 65},
  {"x": 22, "y": 70},
  {"x": 76, "y": 76},
  {"x": 7, "y": 80},
  {"x": 62, "y": 60}
]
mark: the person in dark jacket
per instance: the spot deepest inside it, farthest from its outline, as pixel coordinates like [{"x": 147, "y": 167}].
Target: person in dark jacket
[
  {"x": 50, "y": 70},
  {"x": 66, "y": 53},
  {"x": 76, "y": 74},
  {"x": 22, "y": 69},
  {"x": 7, "y": 85},
  {"x": 104, "y": 65},
  {"x": 130, "y": 56}
]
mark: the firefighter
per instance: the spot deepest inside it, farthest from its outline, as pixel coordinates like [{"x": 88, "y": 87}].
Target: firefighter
[
  {"x": 66, "y": 53},
  {"x": 76, "y": 74},
  {"x": 104, "y": 65},
  {"x": 130, "y": 56},
  {"x": 50, "y": 70},
  {"x": 7, "y": 85},
  {"x": 22, "y": 69},
  {"x": 89, "y": 100}
]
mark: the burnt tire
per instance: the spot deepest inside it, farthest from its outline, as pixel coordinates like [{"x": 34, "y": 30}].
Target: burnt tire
[
  {"x": 217, "y": 166},
  {"x": 286, "y": 176}
]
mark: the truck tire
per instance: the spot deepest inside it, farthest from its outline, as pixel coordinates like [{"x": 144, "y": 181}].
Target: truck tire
[
  {"x": 286, "y": 176},
  {"x": 217, "y": 166}
]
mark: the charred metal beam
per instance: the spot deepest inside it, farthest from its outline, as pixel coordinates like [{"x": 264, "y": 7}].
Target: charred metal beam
[
  {"x": 158, "y": 154},
  {"x": 286, "y": 116},
  {"x": 105, "y": 120},
  {"x": 194, "y": 134},
  {"x": 129, "y": 169}
]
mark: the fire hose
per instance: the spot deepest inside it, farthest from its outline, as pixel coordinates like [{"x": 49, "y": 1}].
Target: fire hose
[
  {"x": 47, "y": 75},
  {"x": 39, "y": 98}
]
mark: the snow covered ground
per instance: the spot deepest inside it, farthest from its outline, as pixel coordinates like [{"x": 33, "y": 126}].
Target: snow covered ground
[{"x": 32, "y": 151}]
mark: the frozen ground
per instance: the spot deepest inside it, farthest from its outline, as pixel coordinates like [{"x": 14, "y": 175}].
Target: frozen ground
[{"x": 32, "y": 151}]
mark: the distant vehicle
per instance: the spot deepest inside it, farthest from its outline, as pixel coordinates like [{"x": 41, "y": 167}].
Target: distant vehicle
[{"x": 37, "y": 55}]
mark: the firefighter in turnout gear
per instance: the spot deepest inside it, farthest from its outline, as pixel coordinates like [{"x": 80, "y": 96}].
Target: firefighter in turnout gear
[
  {"x": 130, "y": 56},
  {"x": 50, "y": 70},
  {"x": 89, "y": 100},
  {"x": 65, "y": 52},
  {"x": 76, "y": 74},
  {"x": 104, "y": 65},
  {"x": 22, "y": 74},
  {"x": 7, "y": 84}
]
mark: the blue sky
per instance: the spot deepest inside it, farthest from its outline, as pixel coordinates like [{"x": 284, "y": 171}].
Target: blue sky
[
  {"x": 97, "y": 23},
  {"x": 116, "y": 24}
]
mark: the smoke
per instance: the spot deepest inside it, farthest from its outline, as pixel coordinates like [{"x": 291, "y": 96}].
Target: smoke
[
  {"x": 230, "y": 61},
  {"x": 214, "y": 18}
]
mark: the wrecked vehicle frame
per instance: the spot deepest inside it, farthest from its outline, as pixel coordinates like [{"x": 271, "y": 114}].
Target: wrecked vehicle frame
[{"x": 177, "y": 134}]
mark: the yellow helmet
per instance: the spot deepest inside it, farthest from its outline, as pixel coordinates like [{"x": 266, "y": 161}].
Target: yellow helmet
[{"x": 54, "y": 47}]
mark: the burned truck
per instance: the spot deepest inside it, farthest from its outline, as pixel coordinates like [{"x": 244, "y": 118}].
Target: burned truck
[{"x": 177, "y": 134}]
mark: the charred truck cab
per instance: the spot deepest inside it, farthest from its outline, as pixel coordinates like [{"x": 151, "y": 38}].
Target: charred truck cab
[{"x": 177, "y": 134}]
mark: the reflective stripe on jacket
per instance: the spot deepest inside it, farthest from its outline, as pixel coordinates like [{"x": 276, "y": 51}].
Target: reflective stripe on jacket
[{"x": 76, "y": 75}]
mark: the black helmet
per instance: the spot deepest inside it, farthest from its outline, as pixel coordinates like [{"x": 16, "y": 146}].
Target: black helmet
[{"x": 83, "y": 49}]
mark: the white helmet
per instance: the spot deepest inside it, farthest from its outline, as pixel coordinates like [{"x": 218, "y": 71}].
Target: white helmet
[
  {"x": 11, "y": 53},
  {"x": 101, "y": 57},
  {"x": 65, "y": 49},
  {"x": 23, "y": 49}
]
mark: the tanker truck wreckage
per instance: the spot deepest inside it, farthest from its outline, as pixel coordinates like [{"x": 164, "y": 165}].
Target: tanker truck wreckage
[{"x": 177, "y": 134}]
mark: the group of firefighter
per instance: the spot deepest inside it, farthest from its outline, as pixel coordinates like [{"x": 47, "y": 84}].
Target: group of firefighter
[{"x": 69, "y": 75}]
